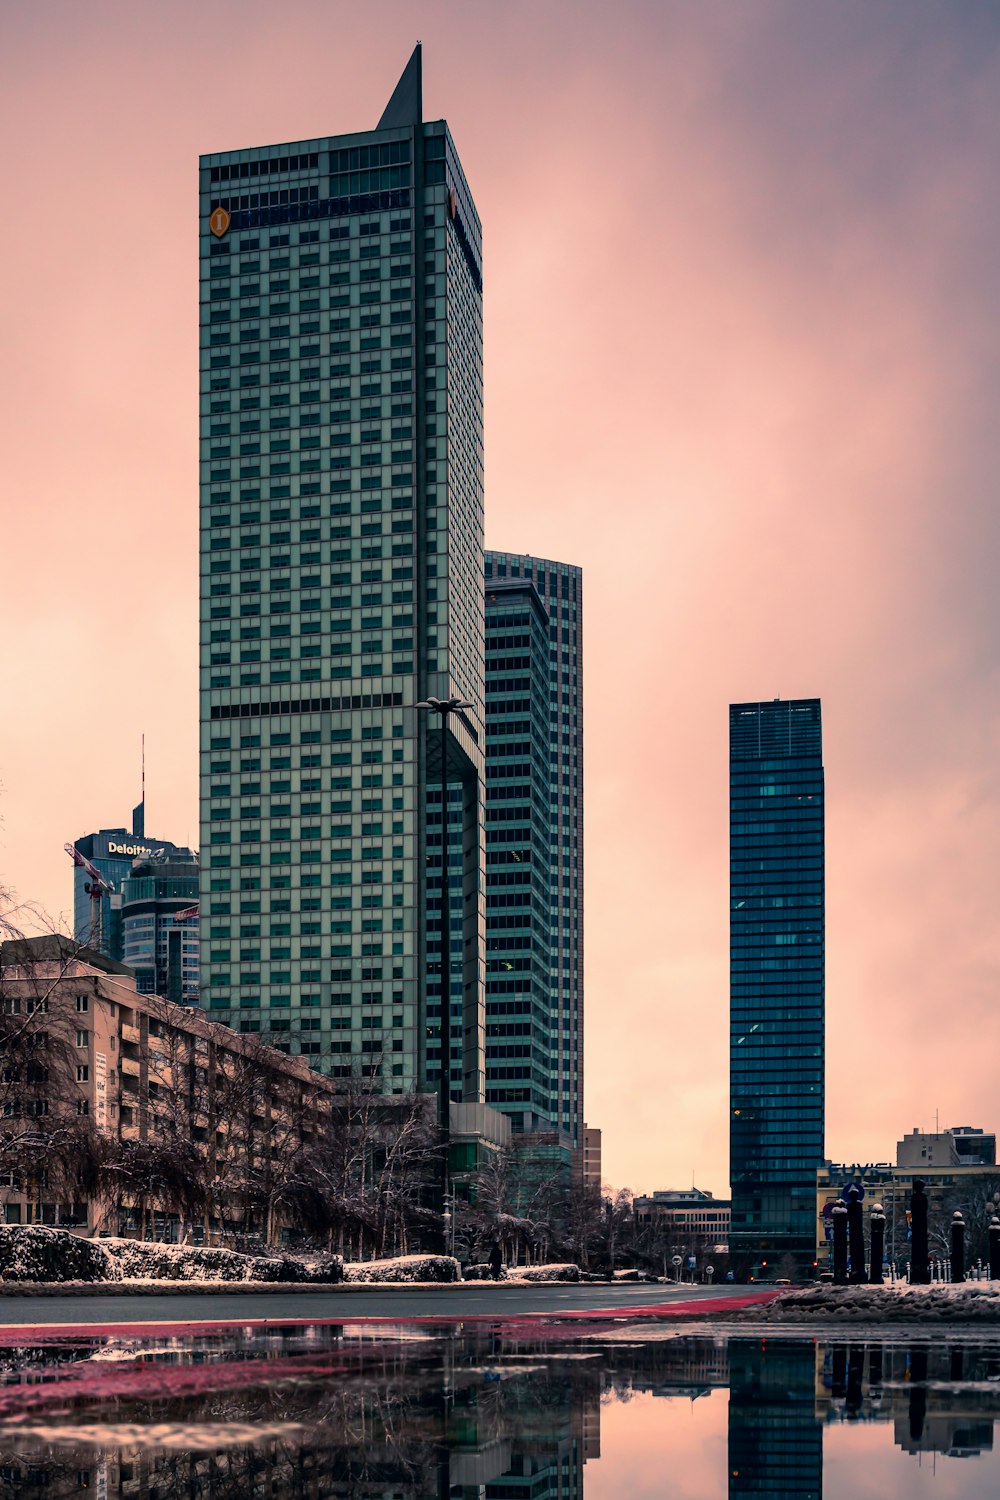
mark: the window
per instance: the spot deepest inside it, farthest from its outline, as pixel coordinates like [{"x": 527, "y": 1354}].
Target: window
[
  {"x": 82, "y": 1073},
  {"x": 83, "y": 1039},
  {"x": 82, "y": 1002}
]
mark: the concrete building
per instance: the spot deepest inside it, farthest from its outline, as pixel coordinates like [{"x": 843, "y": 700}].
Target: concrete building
[
  {"x": 341, "y": 585},
  {"x": 134, "y": 1064},
  {"x": 958, "y": 1169},
  {"x": 777, "y": 979},
  {"x": 142, "y": 1069},
  {"x": 959, "y": 1146},
  {"x": 592, "y": 1179},
  {"x": 528, "y": 597},
  {"x": 695, "y": 1216},
  {"x": 160, "y": 925}
]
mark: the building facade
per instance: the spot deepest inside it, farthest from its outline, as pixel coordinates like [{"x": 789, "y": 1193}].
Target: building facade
[
  {"x": 511, "y": 688},
  {"x": 137, "y": 1067},
  {"x": 112, "y": 852},
  {"x": 160, "y": 925},
  {"x": 592, "y": 1179},
  {"x": 959, "y": 1171},
  {"x": 341, "y": 585},
  {"x": 700, "y": 1221},
  {"x": 777, "y": 985}
]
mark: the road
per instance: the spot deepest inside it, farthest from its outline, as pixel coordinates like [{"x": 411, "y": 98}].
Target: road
[{"x": 447, "y": 1303}]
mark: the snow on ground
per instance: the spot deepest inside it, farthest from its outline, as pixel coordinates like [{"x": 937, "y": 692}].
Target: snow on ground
[{"x": 898, "y": 1302}]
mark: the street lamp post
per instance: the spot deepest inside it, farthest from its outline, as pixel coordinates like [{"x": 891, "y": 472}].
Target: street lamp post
[{"x": 445, "y": 707}]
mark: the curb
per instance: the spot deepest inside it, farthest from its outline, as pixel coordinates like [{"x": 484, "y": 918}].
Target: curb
[{"x": 207, "y": 1288}]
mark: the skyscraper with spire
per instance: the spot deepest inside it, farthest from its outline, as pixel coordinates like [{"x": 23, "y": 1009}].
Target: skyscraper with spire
[{"x": 341, "y": 584}]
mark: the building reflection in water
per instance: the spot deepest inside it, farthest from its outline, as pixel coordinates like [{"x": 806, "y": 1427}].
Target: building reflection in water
[
  {"x": 775, "y": 1442},
  {"x": 322, "y": 1412},
  {"x": 940, "y": 1398}
]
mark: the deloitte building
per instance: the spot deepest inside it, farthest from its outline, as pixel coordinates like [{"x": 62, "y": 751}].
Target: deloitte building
[
  {"x": 341, "y": 585},
  {"x": 112, "y": 852}
]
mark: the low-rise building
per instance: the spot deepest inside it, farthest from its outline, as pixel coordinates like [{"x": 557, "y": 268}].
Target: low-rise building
[
  {"x": 696, "y": 1217},
  {"x": 958, "y": 1170},
  {"x": 196, "y": 1113}
]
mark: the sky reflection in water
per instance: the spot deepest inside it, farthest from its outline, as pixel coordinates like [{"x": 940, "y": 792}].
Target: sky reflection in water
[{"x": 495, "y": 1415}]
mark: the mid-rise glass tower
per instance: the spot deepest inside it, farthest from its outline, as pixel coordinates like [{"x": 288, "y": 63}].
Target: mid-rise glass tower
[
  {"x": 341, "y": 584},
  {"x": 559, "y": 589},
  {"x": 160, "y": 925},
  {"x": 777, "y": 988}
]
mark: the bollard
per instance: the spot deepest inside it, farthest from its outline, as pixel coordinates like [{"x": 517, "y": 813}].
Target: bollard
[
  {"x": 995, "y": 1248},
  {"x": 854, "y": 1393},
  {"x": 839, "y": 1221},
  {"x": 957, "y": 1246},
  {"x": 920, "y": 1272},
  {"x": 918, "y": 1392},
  {"x": 838, "y": 1371},
  {"x": 877, "y": 1247},
  {"x": 856, "y": 1235}
]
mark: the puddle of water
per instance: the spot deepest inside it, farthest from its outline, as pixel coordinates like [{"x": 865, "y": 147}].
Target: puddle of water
[{"x": 498, "y": 1415}]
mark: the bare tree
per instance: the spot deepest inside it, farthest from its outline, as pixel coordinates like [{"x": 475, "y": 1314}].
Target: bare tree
[{"x": 49, "y": 1149}]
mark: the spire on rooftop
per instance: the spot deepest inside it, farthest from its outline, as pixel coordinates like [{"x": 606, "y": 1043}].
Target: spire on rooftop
[{"x": 406, "y": 107}]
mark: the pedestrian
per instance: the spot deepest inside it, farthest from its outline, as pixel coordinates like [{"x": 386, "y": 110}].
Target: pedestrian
[{"x": 496, "y": 1261}]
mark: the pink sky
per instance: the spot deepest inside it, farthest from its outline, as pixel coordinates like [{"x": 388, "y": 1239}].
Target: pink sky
[{"x": 741, "y": 306}]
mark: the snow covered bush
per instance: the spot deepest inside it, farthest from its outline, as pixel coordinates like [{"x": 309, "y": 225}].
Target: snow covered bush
[
  {"x": 405, "y": 1268},
  {"x": 275, "y": 1268},
  {"x": 323, "y": 1268},
  {"x": 30, "y": 1252},
  {"x": 555, "y": 1272},
  {"x": 144, "y": 1260},
  {"x": 38, "y": 1254},
  {"x": 484, "y": 1272}
]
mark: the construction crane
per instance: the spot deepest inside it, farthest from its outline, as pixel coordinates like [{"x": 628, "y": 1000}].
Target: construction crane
[
  {"x": 185, "y": 912},
  {"x": 97, "y": 888}
]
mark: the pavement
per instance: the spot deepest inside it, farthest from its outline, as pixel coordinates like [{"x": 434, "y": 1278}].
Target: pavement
[{"x": 442, "y": 1304}]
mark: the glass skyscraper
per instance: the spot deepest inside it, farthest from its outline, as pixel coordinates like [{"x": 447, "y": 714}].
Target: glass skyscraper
[
  {"x": 777, "y": 986},
  {"x": 341, "y": 584},
  {"x": 519, "y": 1013},
  {"x": 541, "y": 717}
]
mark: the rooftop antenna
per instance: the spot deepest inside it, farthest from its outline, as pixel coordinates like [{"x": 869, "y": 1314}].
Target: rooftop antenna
[{"x": 139, "y": 813}]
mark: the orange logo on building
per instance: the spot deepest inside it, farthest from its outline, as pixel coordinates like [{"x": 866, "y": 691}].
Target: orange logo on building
[
  {"x": 218, "y": 221},
  {"x": 452, "y": 205}
]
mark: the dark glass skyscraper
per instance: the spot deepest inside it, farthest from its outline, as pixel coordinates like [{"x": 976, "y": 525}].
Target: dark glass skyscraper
[
  {"x": 341, "y": 584},
  {"x": 777, "y": 987},
  {"x": 519, "y": 1013},
  {"x": 512, "y": 675}
]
